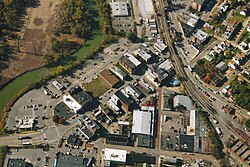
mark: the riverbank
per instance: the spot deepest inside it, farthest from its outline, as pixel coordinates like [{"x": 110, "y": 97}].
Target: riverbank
[{"x": 12, "y": 89}]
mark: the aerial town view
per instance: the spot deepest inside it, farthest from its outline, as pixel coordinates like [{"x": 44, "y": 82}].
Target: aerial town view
[{"x": 125, "y": 83}]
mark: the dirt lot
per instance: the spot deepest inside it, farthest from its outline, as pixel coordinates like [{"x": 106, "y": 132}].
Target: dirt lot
[{"x": 33, "y": 40}]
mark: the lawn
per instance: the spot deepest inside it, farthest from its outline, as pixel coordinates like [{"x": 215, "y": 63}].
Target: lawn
[
  {"x": 237, "y": 16},
  {"x": 245, "y": 35},
  {"x": 97, "y": 87}
]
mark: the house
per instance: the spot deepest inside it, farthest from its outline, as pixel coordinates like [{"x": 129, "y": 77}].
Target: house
[
  {"x": 109, "y": 78},
  {"x": 130, "y": 63},
  {"x": 119, "y": 9},
  {"x": 231, "y": 27},
  {"x": 199, "y": 4},
  {"x": 160, "y": 46},
  {"x": 217, "y": 79},
  {"x": 125, "y": 101},
  {"x": 222, "y": 66},
  {"x": 199, "y": 37},
  {"x": 76, "y": 99},
  {"x": 88, "y": 128},
  {"x": 223, "y": 8},
  {"x": 232, "y": 65},
  {"x": 118, "y": 72}
]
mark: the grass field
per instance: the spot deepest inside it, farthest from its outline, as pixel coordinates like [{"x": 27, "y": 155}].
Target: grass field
[
  {"x": 8, "y": 92},
  {"x": 97, "y": 86},
  {"x": 237, "y": 16}
]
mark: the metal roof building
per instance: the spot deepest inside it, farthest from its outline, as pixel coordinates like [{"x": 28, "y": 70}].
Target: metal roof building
[{"x": 142, "y": 122}]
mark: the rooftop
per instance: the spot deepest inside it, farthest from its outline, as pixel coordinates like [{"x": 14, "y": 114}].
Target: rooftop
[
  {"x": 16, "y": 163},
  {"x": 160, "y": 46},
  {"x": 63, "y": 111},
  {"x": 184, "y": 101},
  {"x": 115, "y": 155},
  {"x": 123, "y": 97},
  {"x": 79, "y": 95},
  {"x": 167, "y": 65},
  {"x": 142, "y": 122},
  {"x": 201, "y": 35},
  {"x": 69, "y": 161},
  {"x": 119, "y": 8},
  {"x": 108, "y": 77},
  {"x": 143, "y": 54}
]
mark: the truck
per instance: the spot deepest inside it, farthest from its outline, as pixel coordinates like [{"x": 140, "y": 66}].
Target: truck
[
  {"x": 215, "y": 120},
  {"x": 218, "y": 130}
]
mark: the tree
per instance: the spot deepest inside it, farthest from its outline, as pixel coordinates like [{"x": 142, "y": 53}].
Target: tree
[
  {"x": 56, "y": 118},
  {"x": 132, "y": 36},
  {"x": 61, "y": 121},
  {"x": 247, "y": 123}
]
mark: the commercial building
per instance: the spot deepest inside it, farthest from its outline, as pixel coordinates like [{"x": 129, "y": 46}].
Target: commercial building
[
  {"x": 186, "y": 143},
  {"x": 119, "y": 9},
  {"x": 199, "y": 37},
  {"x": 223, "y": 8},
  {"x": 76, "y": 98},
  {"x": 192, "y": 20},
  {"x": 118, "y": 72},
  {"x": 143, "y": 54},
  {"x": 125, "y": 101},
  {"x": 133, "y": 91},
  {"x": 70, "y": 161},
  {"x": 109, "y": 78},
  {"x": 189, "y": 122},
  {"x": 142, "y": 122},
  {"x": 130, "y": 63},
  {"x": 114, "y": 156},
  {"x": 117, "y": 139},
  {"x": 160, "y": 46},
  {"x": 57, "y": 85},
  {"x": 17, "y": 163},
  {"x": 88, "y": 127},
  {"x": 25, "y": 122},
  {"x": 146, "y": 8},
  {"x": 199, "y": 4},
  {"x": 63, "y": 111}
]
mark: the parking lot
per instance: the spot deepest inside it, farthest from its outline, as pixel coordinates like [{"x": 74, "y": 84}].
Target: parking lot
[
  {"x": 34, "y": 104},
  {"x": 172, "y": 127},
  {"x": 36, "y": 157}
]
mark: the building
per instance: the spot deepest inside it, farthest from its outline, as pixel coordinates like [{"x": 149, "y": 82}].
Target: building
[
  {"x": 57, "y": 85},
  {"x": 158, "y": 73},
  {"x": 206, "y": 145},
  {"x": 189, "y": 121},
  {"x": 134, "y": 158},
  {"x": 152, "y": 27},
  {"x": 25, "y": 122},
  {"x": 186, "y": 143},
  {"x": 183, "y": 102},
  {"x": 125, "y": 101},
  {"x": 17, "y": 163},
  {"x": 69, "y": 161},
  {"x": 119, "y": 9},
  {"x": 192, "y": 20},
  {"x": 117, "y": 139},
  {"x": 118, "y": 72},
  {"x": 76, "y": 99},
  {"x": 223, "y": 8},
  {"x": 63, "y": 111},
  {"x": 231, "y": 27},
  {"x": 142, "y": 122},
  {"x": 222, "y": 66},
  {"x": 199, "y": 37},
  {"x": 133, "y": 91},
  {"x": 160, "y": 46},
  {"x": 109, "y": 78},
  {"x": 143, "y": 54},
  {"x": 114, "y": 156},
  {"x": 74, "y": 140},
  {"x": 88, "y": 128},
  {"x": 199, "y": 4},
  {"x": 146, "y": 8},
  {"x": 130, "y": 63}
]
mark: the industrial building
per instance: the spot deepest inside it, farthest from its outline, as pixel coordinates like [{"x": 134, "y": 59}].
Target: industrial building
[
  {"x": 130, "y": 63},
  {"x": 119, "y": 9}
]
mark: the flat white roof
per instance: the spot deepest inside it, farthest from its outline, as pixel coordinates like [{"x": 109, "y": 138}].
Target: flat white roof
[
  {"x": 144, "y": 55},
  {"x": 115, "y": 155},
  {"x": 201, "y": 35},
  {"x": 183, "y": 100},
  {"x": 119, "y": 8},
  {"x": 146, "y": 8},
  {"x": 71, "y": 103},
  {"x": 192, "y": 22},
  {"x": 134, "y": 60},
  {"x": 166, "y": 65},
  {"x": 142, "y": 122},
  {"x": 160, "y": 46}
]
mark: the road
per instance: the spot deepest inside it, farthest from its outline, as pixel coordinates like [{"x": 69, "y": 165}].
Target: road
[{"x": 189, "y": 84}]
